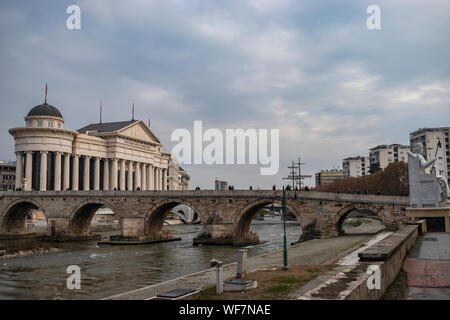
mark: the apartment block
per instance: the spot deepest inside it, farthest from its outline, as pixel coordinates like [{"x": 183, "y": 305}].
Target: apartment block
[
  {"x": 382, "y": 155},
  {"x": 356, "y": 166},
  {"x": 328, "y": 176},
  {"x": 7, "y": 175}
]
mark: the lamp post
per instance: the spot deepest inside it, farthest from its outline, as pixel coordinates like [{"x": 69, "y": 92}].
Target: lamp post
[{"x": 283, "y": 210}]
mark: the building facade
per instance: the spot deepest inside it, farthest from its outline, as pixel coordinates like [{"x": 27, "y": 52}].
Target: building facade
[
  {"x": 328, "y": 176},
  {"x": 7, "y": 175},
  {"x": 220, "y": 185},
  {"x": 429, "y": 137},
  {"x": 382, "y": 155},
  {"x": 355, "y": 166},
  {"x": 122, "y": 155},
  {"x": 177, "y": 178}
]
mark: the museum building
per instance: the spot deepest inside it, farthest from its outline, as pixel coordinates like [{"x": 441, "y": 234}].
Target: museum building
[{"x": 123, "y": 155}]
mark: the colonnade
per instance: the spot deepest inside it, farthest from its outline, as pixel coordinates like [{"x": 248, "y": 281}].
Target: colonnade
[{"x": 106, "y": 174}]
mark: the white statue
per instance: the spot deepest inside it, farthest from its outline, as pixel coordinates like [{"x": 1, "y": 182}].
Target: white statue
[{"x": 422, "y": 178}]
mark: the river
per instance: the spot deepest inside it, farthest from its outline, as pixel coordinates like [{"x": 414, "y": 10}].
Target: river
[{"x": 108, "y": 270}]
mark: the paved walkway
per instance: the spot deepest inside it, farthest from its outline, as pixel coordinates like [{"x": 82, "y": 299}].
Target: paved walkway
[
  {"x": 433, "y": 246},
  {"x": 314, "y": 252},
  {"x": 428, "y": 268}
]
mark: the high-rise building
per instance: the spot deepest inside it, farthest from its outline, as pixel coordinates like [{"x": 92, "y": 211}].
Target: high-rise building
[
  {"x": 328, "y": 176},
  {"x": 382, "y": 155},
  {"x": 355, "y": 166},
  {"x": 429, "y": 137}
]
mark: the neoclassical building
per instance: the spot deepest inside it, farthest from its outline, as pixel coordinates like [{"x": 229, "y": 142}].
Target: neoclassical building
[
  {"x": 177, "y": 178},
  {"x": 122, "y": 155}
]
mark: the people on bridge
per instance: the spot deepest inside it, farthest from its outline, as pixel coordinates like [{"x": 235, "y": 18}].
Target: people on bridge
[
  {"x": 274, "y": 187},
  {"x": 306, "y": 188},
  {"x": 251, "y": 188}
]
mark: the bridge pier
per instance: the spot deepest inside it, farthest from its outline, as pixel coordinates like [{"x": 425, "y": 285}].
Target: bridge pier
[
  {"x": 222, "y": 234},
  {"x": 62, "y": 230},
  {"x": 134, "y": 231}
]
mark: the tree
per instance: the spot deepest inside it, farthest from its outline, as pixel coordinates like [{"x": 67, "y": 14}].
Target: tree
[{"x": 393, "y": 180}]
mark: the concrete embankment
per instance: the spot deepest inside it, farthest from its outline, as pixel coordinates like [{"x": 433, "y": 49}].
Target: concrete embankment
[
  {"x": 314, "y": 252},
  {"x": 355, "y": 282}
]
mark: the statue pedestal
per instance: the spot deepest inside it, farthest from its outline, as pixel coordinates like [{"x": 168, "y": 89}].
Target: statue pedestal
[{"x": 423, "y": 213}]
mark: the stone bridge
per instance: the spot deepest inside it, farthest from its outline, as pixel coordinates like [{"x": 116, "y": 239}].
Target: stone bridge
[{"x": 226, "y": 215}]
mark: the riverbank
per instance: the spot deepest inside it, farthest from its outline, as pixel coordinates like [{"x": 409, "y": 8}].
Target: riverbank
[
  {"x": 25, "y": 247},
  {"x": 311, "y": 253}
]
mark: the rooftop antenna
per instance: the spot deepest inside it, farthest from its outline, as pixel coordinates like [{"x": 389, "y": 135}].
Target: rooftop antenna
[
  {"x": 132, "y": 112},
  {"x": 101, "y": 107},
  {"x": 45, "y": 94}
]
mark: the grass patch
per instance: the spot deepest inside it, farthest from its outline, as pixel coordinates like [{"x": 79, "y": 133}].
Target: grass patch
[
  {"x": 356, "y": 223},
  {"x": 288, "y": 280},
  {"x": 313, "y": 269},
  {"x": 273, "y": 283},
  {"x": 279, "y": 289}
]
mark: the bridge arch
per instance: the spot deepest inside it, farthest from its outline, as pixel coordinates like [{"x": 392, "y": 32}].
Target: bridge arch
[
  {"x": 243, "y": 220},
  {"x": 81, "y": 216},
  {"x": 154, "y": 219},
  {"x": 344, "y": 211},
  {"x": 14, "y": 216}
]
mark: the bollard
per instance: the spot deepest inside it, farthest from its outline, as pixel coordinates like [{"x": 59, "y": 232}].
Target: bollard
[
  {"x": 241, "y": 264},
  {"x": 219, "y": 280},
  {"x": 219, "y": 274}
]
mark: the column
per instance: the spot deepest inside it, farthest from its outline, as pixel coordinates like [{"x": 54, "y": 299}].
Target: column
[
  {"x": 144, "y": 177},
  {"x": 28, "y": 170},
  {"x": 155, "y": 178},
  {"x": 137, "y": 176},
  {"x": 43, "y": 176},
  {"x": 66, "y": 181},
  {"x": 87, "y": 162},
  {"x": 122, "y": 174},
  {"x": 158, "y": 179},
  {"x": 97, "y": 174},
  {"x": 114, "y": 172},
  {"x": 150, "y": 177},
  {"x": 75, "y": 172},
  {"x": 164, "y": 179},
  {"x": 19, "y": 170},
  {"x": 130, "y": 175},
  {"x": 57, "y": 171},
  {"x": 106, "y": 174}
]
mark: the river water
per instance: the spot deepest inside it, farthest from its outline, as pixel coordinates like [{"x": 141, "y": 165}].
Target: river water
[{"x": 108, "y": 270}]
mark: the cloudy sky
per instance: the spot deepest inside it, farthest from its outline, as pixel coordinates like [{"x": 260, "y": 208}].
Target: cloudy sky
[{"x": 309, "y": 68}]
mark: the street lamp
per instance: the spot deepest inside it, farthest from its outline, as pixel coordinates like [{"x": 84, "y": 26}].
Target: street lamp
[{"x": 283, "y": 210}]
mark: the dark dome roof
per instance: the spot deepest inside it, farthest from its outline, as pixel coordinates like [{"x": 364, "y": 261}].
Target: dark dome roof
[{"x": 45, "y": 110}]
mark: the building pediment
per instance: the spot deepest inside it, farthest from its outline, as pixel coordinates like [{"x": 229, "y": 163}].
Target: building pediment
[{"x": 140, "y": 131}]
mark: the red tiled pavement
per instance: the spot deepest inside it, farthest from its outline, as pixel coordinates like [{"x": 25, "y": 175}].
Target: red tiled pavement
[{"x": 427, "y": 273}]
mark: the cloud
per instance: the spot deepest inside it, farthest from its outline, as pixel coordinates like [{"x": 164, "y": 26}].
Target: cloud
[{"x": 311, "y": 69}]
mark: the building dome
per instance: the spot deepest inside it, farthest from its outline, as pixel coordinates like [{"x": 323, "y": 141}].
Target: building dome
[{"x": 45, "y": 110}]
